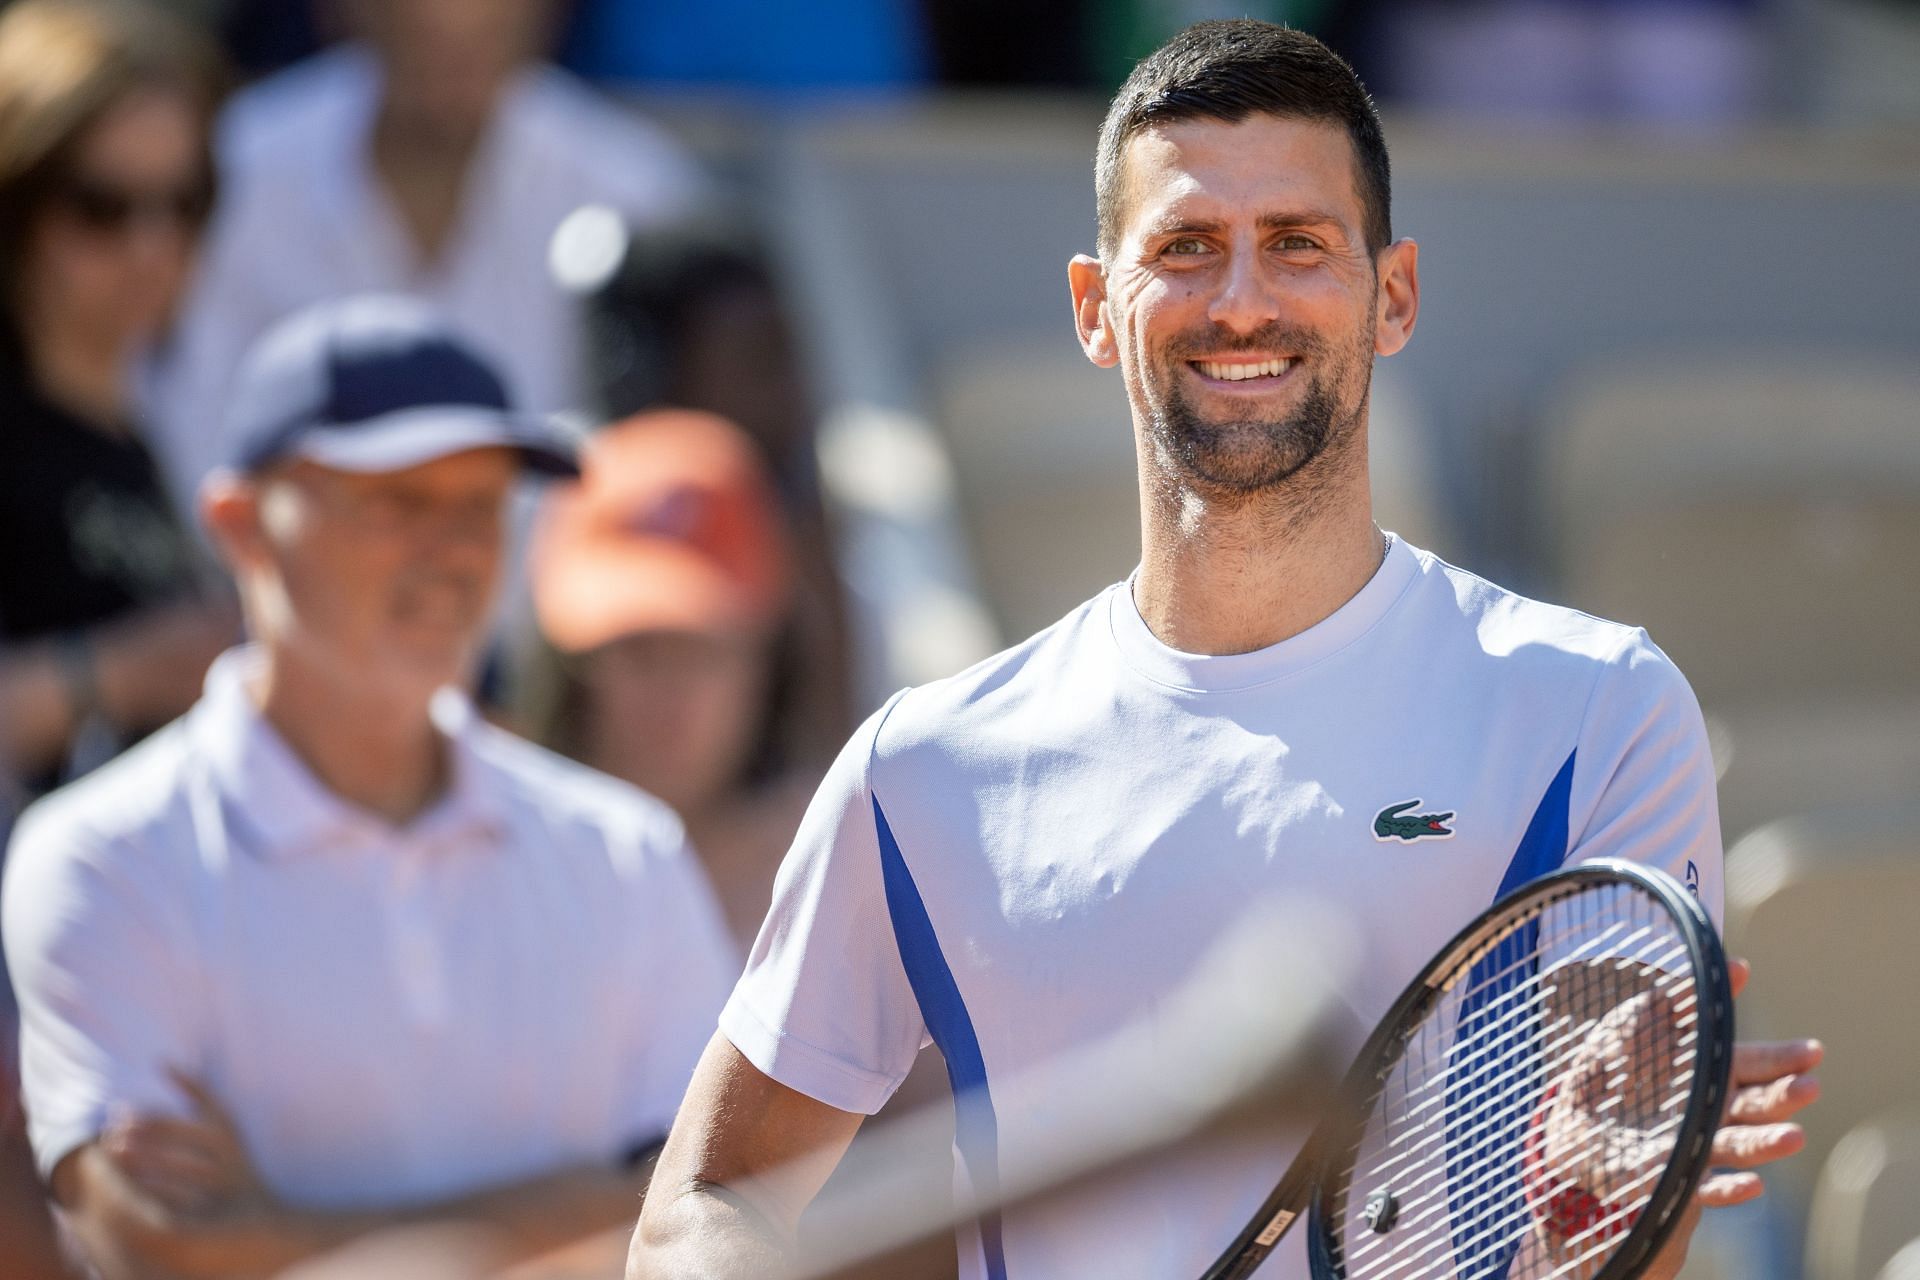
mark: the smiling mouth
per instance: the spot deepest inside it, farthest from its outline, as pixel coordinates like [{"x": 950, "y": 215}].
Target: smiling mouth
[{"x": 1245, "y": 371}]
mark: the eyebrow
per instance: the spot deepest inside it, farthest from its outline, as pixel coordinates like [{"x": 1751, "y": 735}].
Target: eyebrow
[{"x": 1275, "y": 221}]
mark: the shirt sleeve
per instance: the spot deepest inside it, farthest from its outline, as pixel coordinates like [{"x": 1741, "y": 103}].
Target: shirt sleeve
[
  {"x": 103, "y": 968},
  {"x": 1644, "y": 787},
  {"x": 825, "y": 1006}
]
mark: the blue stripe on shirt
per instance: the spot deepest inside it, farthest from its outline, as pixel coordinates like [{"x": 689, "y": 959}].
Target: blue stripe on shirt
[
  {"x": 976, "y": 1131},
  {"x": 1484, "y": 1134}
]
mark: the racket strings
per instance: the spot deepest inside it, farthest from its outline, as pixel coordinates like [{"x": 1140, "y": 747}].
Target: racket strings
[
  {"x": 1472, "y": 1158},
  {"x": 1485, "y": 1051}
]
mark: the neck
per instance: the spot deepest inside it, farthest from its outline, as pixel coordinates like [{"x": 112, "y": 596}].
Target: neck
[
  {"x": 375, "y": 748},
  {"x": 424, "y": 172},
  {"x": 87, "y": 376},
  {"x": 1224, "y": 574}
]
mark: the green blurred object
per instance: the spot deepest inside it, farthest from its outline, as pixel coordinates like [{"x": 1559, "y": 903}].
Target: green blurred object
[{"x": 1125, "y": 31}]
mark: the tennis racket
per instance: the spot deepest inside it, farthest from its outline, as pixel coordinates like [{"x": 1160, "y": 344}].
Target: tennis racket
[{"x": 1539, "y": 1103}]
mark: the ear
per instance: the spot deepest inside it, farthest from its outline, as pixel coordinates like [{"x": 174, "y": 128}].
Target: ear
[
  {"x": 1399, "y": 298},
  {"x": 1088, "y": 281},
  {"x": 230, "y": 510}
]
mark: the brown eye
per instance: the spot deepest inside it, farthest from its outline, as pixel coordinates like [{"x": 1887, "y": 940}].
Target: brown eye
[{"x": 1187, "y": 247}]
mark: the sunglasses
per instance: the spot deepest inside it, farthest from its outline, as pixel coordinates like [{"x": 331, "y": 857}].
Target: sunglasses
[{"x": 109, "y": 208}]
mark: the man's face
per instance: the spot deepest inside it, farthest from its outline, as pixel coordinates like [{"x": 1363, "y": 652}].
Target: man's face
[
  {"x": 1241, "y": 301},
  {"x": 383, "y": 578}
]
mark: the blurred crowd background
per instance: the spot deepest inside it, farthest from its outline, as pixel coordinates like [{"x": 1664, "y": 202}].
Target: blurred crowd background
[{"x": 798, "y": 269}]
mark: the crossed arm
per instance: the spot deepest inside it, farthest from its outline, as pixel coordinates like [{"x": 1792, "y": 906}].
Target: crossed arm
[{"x": 178, "y": 1199}]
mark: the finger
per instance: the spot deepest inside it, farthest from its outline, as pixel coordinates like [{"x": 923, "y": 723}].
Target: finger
[
  {"x": 150, "y": 1131},
  {"x": 1750, "y": 1146},
  {"x": 203, "y": 1100},
  {"x": 1724, "y": 1189},
  {"x": 1772, "y": 1103},
  {"x": 1764, "y": 1061},
  {"x": 1739, "y": 972},
  {"x": 183, "y": 1184}
]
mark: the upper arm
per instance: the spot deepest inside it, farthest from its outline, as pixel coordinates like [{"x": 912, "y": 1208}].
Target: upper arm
[
  {"x": 1645, "y": 785},
  {"x": 746, "y": 1156},
  {"x": 100, "y": 958},
  {"x": 825, "y": 1005}
]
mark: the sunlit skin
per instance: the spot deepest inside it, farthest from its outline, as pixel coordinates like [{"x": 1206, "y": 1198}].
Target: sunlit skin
[
  {"x": 1240, "y": 244},
  {"x": 90, "y": 297}
]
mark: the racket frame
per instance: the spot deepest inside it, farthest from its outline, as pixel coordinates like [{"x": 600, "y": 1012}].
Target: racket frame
[{"x": 1303, "y": 1188}]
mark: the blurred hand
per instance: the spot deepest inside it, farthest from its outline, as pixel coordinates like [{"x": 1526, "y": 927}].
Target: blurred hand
[
  {"x": 196, "y": 1166},
  {"x": 187, "y": 1201}
]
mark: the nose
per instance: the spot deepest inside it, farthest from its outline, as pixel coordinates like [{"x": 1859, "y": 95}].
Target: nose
[{"x": 1246, "y": 299}]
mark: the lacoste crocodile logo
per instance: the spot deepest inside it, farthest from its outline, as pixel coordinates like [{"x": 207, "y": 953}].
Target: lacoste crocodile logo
[{"x": 1395, "y": 823}]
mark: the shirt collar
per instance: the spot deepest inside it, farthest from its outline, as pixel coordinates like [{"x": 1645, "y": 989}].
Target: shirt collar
[{"x": 288, "y": 812}]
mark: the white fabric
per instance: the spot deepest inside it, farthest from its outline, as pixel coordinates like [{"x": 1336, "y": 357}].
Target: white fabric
[
  {"x": 519, "y": 981},
  {"x": 1082, "y": 815},
  {"x": 303, "y": 218}
]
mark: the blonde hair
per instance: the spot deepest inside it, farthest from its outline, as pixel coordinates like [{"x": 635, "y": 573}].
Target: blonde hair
[{"x": 63, "y": 65}]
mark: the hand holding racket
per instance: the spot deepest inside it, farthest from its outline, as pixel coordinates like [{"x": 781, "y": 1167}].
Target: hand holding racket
[{"x": 1541, "y": 1102}]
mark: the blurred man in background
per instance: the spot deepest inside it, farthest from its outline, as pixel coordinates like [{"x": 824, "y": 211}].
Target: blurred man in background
[
  {"x": 433, "y": 155},
  {"x": 331, "y": 955}
]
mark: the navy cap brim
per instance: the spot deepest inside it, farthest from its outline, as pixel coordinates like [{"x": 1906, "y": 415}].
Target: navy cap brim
[{"x": 414, "y": 437}]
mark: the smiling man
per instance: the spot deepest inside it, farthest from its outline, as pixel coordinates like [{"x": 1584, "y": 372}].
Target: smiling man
[
  {"x": 331, "y": 956},
  {"x": 1284, "y": 701}
]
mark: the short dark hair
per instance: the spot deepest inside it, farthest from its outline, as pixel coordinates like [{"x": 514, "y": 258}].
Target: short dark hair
[{"x": 1228, "y": 70}]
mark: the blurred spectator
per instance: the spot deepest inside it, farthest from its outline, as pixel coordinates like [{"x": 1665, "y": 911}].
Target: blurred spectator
[
  {"x": 104, "y": 183},
  {"x": 690, "y": 316},
  {"x": 664, "y": 586},
  {"x": 1686, "y": 63},
  {"x": 331, "y": 955},
  {"x": 434, "y": 156},
  {"x": 772, "y": 45}
]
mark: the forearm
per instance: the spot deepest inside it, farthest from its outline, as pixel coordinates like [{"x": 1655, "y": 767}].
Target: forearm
[
  {"x": 131, "y": 1233},
  {"x": 521, "y": 1221},
  {"x": 707, "y": 1233}
]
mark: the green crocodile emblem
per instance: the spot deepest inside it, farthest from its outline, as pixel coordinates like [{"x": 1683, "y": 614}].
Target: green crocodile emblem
[{"x": 1395, "y": 823}]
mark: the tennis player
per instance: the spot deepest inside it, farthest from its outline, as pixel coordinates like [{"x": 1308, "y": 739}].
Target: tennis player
[{"x": 1283, "y": 700}]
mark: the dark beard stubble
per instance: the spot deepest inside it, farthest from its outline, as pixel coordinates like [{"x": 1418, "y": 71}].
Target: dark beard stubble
[{"x": 1246, "y": 456}]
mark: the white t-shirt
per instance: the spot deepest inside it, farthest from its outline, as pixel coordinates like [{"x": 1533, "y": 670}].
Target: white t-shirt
[
  {"x": 1023, "y": 858},
  {"x": 303, "y": 218},
  {"x": 519, "y": 981}
]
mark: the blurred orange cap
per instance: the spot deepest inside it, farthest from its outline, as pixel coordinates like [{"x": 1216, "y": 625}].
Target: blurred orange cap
[{"x": 674, "y": 526}]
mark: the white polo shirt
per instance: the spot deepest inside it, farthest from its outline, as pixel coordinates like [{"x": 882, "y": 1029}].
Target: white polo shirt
[
  {"x": 520, "y": 980},
  {"x": 1017, "y": 861}
]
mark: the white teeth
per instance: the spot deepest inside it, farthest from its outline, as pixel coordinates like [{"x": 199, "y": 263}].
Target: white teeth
[{"x": 1242, "y": 372}]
